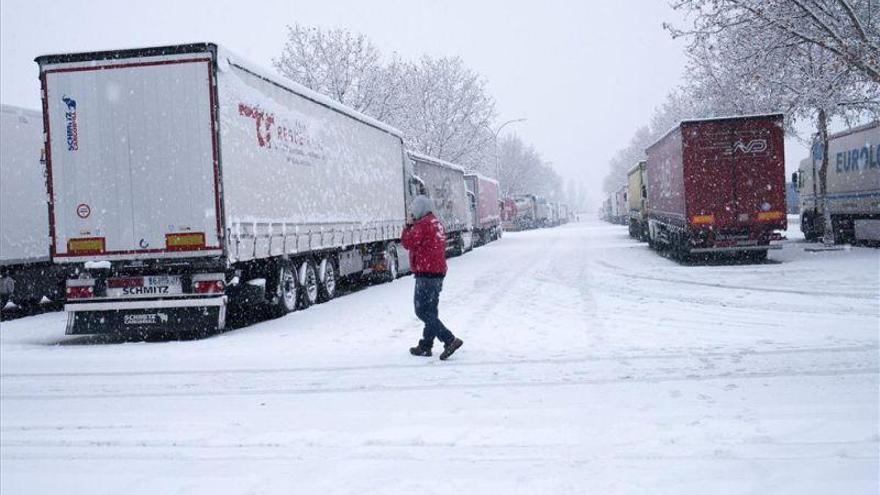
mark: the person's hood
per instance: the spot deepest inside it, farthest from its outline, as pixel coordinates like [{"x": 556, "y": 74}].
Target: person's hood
[{"x": 421, "y": 206}]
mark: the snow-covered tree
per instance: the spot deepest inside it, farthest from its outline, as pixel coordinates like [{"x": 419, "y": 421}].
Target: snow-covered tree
[
  {"x": 343, "y": 65},
  {"x": 446, "y": 112},
  {"x": 524, "y": 171},
  {"x": 440, "y": 104},
  {"x": 848, "y": 30}
]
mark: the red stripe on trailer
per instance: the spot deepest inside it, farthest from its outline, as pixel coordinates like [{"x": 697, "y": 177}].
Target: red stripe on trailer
[
  {"x": 215, "y": 149},
  {"x": 48, "y": 145}
]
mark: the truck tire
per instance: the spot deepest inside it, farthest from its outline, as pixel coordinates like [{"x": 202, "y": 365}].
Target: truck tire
[
  {"x": 757, "y": 256},
  {"x": 809, "y": 227},
  {"x": 308, "y": 281},
  {"x": 286, "y": 291},
  {"x": 328, "y": 280}
]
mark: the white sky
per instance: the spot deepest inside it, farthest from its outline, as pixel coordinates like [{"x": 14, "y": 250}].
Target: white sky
[{"x": 584, "y": 74}]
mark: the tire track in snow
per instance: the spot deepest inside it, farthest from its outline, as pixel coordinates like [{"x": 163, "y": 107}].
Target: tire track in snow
[
  {"x": 734, "y": 353},
  {"x": 446, "y": 385},
  {"x": 545, "y": 372},
  {"x": 846, "y": 295}
]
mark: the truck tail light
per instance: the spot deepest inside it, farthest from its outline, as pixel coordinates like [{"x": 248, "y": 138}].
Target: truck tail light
[
  {"x": 703, "y": 219},
  {"x": 771, "y": 215},
  {"x": 80, "y": 288},
  {"x": 209, "y": 283},
  {"x": 209, "y": 287}
]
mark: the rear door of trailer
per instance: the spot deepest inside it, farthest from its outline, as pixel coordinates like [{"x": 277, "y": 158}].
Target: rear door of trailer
[{"x": 132, "y": 152}]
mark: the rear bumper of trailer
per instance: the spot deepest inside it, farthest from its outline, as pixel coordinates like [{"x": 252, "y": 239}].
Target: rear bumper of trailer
[
  {"x": 733, "y": 249},
  {"x": 201, "y": 315}
]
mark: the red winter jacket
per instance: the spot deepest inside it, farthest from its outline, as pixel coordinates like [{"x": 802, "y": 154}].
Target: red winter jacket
[{"x": 426, "y": 243}]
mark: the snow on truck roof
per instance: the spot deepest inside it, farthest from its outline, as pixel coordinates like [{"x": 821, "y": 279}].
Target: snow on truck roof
[
  {"x": 853, "y": 130},
  {"x": 222, "y": 56},
  {"x": 434, "y": 161},
  {"x": 24, "y": 112},
  {"x": 481, "y": 177},
  {"x": 712, "y": 119},
  {"x": 635, "y": 167}
]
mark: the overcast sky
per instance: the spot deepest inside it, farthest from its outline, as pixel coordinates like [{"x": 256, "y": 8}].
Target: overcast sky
[{"x": 585, "y": 75}]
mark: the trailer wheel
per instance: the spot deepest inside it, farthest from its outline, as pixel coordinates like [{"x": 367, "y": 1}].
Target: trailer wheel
[
  {"x": 287, "y": 291},
  {"x": 308, "y": 278},
  {"x": 328, "y": 279},
  {"x": 757, "y": 256}
]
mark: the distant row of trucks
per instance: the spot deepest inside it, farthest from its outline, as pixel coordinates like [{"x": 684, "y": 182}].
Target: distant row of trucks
[
  {"x": 718, "y": 185},
  {"x": 528, "y": 211},
  {"x": 182, "y": 182}
]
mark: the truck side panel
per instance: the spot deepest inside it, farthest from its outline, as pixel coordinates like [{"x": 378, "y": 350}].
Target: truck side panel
[
  {"x": 446, "y": 187},
  {"x": 666, "y": 198},
  {"x": 23, "y": 209},
  {"x": 301, "y": 175}
]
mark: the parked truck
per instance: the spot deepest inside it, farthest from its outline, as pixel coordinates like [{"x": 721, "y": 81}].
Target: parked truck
[
  {"x": 543, "y": 212},
  {"x": 27, "y": 274},
  {"x": 636, "y": 194},
  {"x": 487, "y": 218},
  {"x": 188, "y": 181},
  {"x": 620, "y": 197},
  {"x": 508, "y": 214},
  {"x": 444, "y": 183},
  {"x": 853, "y": 186},
  {"x": 718, "y": 185},
  {"x": 526, "y": 211},
  {"x": 564, "y": 213}
]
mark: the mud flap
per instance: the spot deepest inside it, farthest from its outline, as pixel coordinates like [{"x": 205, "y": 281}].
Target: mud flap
[{"x": 200, "y": 320}]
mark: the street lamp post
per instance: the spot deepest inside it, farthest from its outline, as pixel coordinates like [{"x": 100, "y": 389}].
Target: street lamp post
[{"x": 497, "y": 132}]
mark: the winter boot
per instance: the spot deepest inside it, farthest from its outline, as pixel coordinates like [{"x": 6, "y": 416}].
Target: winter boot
[
  {"x": 420, "y": 350},
  {"x": 449, "y": 348}
]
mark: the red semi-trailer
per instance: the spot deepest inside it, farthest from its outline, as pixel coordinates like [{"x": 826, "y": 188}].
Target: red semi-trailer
[{"x": 718, "y": 185}]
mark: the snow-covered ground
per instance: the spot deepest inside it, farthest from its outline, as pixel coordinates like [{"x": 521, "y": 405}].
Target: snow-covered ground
[{"x": 590, "y": 365}]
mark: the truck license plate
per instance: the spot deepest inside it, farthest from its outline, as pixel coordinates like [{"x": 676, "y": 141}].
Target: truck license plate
[{"x": 153, "y": 285}]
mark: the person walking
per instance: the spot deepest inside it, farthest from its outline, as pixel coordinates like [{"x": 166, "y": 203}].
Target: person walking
[{"x": 425, "y": 240}]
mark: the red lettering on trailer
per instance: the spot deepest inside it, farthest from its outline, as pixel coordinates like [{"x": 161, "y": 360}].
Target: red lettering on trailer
[{"x": 263, "y": 122}]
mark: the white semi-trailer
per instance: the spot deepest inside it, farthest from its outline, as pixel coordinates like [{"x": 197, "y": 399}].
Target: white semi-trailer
[
  {"x": 853, "y": 186},
  {"x": 444, "y": 183},
  {"x": 188, "y": 180},
  {"x": 27, "y": 274}
]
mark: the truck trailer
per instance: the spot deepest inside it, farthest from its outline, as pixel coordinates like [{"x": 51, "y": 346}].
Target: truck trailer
[
  {"x": 444, "y": 183},
  {"x": 543, "y": 212},
  {"x": 718, "y": 185},
  {"x": 636, "y": 194},
  {"x": 487, "y": 218},
  {"x": 526, "y": 211},
  {"x": 187, "y": 181},
  {"x": 508, "y": 214},
  {"x": 853, "y": 186},
  {"x": 27, "y": 274}
]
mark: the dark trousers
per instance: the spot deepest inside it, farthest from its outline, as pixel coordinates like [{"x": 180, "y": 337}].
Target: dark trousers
[{"x": 427, "y": 297}]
